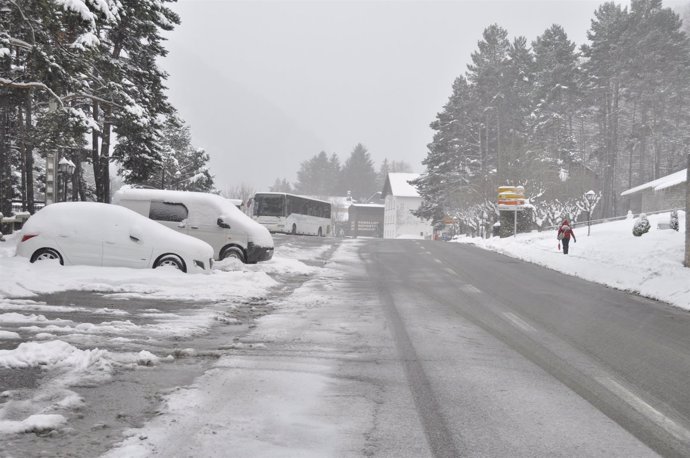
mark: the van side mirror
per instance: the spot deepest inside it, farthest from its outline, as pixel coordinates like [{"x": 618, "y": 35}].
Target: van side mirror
[
  {"x": 222, "y": 223},
  {"x": 135, "y": 234}
]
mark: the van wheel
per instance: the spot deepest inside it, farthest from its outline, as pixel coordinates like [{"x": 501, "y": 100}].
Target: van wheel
[
  {"x": 170, "y": 260},
  {"x": 232, "y": 252},
  {"x": 320, "y": 232},
  {"x": 294, "y": 229},
  {"x": 46, "y": 254}
]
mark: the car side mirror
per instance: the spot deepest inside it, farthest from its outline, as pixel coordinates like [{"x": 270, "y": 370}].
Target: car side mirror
[{"x": 222, "y": 223}]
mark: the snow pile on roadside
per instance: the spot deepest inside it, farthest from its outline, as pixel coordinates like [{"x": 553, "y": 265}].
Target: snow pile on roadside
[
  {"x": 651, "y": 265},
  {"x": 277, "y": 266},
  {"x": 20, "y": 278},
  {"x": 9, "y": 246},
  {"x": 33, "y": 424},
  {"x": 165, "y": 326},
  {"x": 301, "y": 252},
  {"x": 67, "y": 366}
]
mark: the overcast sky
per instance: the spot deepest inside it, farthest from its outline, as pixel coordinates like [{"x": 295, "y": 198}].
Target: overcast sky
[{"x": 268, "y": 84}]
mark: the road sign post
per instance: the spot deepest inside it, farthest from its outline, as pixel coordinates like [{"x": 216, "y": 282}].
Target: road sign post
[{"x": 511, "y": 198}]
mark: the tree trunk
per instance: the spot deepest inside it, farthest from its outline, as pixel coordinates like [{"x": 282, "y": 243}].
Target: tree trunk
[
  {"x": 687, "y": 220},
  {"x": 5, "y": 185},
  {"x": 632, "y": 146},
  {"x": 105, "y": 156},
  {"x": 29, "y": 156},
  {"x": 95, "y": 159},
  {"x": 23, "y": 138},
  {"x": 643, "y": 146},
  {"x": 499, "y": 165}
]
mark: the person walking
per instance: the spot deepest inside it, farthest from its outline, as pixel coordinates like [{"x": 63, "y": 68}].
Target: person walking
[{"x": 564, "y": 234}]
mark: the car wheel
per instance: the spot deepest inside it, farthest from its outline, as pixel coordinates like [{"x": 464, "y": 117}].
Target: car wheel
[
  {"x": 320, "y": 232},
  {"x": 232, "y": 252},
  {"x": 294, "y": 229},
  {"x": 45, "y": 254},
  {"x": 170, "y": 260}
]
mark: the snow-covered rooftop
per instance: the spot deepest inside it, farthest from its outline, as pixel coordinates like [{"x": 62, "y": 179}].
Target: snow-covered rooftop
[
  {"x": 397, "y": 185},
  {"x": 673, "y": 179}
]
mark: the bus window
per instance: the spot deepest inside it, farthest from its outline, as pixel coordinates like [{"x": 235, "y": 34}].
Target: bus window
[{"x": 269, "y": 205}]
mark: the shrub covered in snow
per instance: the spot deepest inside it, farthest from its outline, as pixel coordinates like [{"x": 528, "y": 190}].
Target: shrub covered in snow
[
  {"x": 674, "y": 220},
  {"x": 641, "y": 226}
]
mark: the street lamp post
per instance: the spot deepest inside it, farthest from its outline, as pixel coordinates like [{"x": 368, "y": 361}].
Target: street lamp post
[
  {"x": 590, "y": 196},
  {"x": 65, "y": 169}
]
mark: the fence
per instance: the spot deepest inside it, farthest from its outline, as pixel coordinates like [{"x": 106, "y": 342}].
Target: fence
[{"x": 614, "y": 218}]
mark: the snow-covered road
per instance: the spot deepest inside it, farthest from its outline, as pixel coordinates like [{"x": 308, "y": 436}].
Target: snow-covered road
[{"x": 334, "y": 348}]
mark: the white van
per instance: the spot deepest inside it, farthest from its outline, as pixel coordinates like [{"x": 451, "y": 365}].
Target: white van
[{"x": 209, "y": 217}]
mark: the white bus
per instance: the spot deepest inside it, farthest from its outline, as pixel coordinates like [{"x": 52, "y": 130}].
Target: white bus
[{"x": 291, "y": 214}]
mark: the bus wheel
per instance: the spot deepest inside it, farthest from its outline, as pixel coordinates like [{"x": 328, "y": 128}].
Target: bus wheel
[
  {"x": 294, "y": 229},
  {"x": 320, "y": 232}
]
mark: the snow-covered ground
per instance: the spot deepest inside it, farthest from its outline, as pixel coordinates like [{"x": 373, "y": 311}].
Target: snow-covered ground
[
  {"x": 71, "y": 351},
  {"x": 273, "y": 394},
  {"x": 650, "y": 265},
  {"x": 279, "y": 395}
]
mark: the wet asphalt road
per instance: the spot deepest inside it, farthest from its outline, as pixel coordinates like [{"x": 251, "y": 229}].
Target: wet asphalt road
[{"x": 627, "y": 356}]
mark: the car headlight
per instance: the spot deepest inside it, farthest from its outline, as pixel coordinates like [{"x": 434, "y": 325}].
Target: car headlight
[{"x": 199, "y": 264}]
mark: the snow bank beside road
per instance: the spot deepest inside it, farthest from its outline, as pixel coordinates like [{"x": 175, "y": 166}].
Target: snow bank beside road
[
  {"x": 651, "y": 265},
  {"x": 20, "y": 278}
]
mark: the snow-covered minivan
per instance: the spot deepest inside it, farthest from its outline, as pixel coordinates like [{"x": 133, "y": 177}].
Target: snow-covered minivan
[{"x": 209, "y": 217}]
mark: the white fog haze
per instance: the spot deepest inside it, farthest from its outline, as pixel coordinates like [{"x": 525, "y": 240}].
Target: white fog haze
[
  {"x": 334, "y": 228},
  {"x": 267, "y": 85}
]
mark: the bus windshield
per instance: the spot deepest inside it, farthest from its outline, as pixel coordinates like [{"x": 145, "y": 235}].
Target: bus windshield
[{"x": 269, "y": 205}]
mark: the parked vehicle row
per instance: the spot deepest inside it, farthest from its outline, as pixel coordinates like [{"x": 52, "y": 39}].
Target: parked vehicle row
[{"x": 146, "y": 229}]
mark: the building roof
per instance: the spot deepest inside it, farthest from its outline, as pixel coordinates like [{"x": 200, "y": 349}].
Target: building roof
[
  {"x": 673, "y": 179},
  {"x": 398, "y": 185}
]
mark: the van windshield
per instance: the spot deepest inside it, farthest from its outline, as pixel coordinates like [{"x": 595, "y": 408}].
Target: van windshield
[{"x": 269, "y": 205}]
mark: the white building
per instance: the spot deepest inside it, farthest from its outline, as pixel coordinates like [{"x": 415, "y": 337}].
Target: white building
[{"x": 400, "y": 198}]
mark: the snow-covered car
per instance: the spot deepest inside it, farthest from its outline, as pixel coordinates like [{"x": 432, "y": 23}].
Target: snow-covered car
[
  {"x": 99, "y": 234},
  {"x": 206, "y": 216}
]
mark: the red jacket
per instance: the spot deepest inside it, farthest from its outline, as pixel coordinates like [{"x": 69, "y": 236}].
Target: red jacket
[{"x": 567, "y": 230}]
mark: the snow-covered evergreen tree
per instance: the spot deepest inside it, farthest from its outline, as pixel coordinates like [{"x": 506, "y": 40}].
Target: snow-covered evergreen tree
[{"x": 358, "y": 175}]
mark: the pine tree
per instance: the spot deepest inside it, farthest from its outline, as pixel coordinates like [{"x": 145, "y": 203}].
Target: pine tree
[
  {"x": 556, "y": 102},
  {"x": 604, "y": 72},
  {"x": 182, "y": 166},
  {"x": 315, "y": 176},
  {"x": 488, "y": 73},
  {"x": 281, "y": 185},
  {"x": 358, "y": 175}
]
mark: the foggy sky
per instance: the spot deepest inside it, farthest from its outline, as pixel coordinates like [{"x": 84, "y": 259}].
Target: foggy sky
[{"x": 266, "y": 85}]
